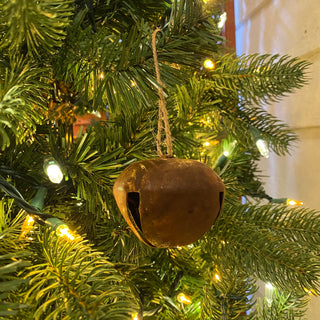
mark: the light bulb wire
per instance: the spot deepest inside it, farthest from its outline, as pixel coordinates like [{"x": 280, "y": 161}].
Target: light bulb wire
[
  {"x": 13, "y": 193},
  {"x": 17, "y": 174}
]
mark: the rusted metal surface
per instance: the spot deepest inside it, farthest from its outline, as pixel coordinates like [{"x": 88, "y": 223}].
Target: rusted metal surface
[{"x": 169, "y": 202}]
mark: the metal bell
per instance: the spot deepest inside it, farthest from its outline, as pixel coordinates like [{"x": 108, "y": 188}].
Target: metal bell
[{"x": 169, "y": 202}]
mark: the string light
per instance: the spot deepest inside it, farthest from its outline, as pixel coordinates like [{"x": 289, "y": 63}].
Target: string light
[
  {"x": 38, "y": 200},
  {"x": 217, "y": 277},
  {"x": 269, "y": 286},
  {"x": 65, "y": 232},
  {"x": 210, "y": 143},
  {"x": 209, "y": 64},
  {"x": 53, "y": 170},
  {"x": 269, "y": 291},
  {"x": 263, "y": 148},
  {"x": 96, "y": 114},
  {"x": 292, "y": 202},
  {"x": 34, "y": 208},
  {"x": 221, "y": 161},
  {"x": 135, "y": 316},
  {"x": 311, "y": 292},
  {"x": 288, "y": 202},
  {"x": 101, "y": 75},
  {"x": 27, "y": 226},
  {"x": 225, "y": 155},
  {"x": 222, "y": 20},
  {"x": 260, "y": 143},
  {"x": 182, "y": 298},
  {"x": 61, "y": 229}
]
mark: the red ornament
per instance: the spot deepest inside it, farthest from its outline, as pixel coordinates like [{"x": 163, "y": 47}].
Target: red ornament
[{"x": 86, "y": 120}]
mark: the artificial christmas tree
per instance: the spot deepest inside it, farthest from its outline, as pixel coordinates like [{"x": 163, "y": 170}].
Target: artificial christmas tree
[{"x": 62, "y": 60}]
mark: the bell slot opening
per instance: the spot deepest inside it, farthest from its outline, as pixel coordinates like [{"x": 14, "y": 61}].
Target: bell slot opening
[
  {"x": 221, "y": 198},
  {"x": 133, "y": 201}
]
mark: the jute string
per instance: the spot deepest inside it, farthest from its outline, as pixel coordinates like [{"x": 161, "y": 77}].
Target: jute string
[{"x": 163, "y": 113}]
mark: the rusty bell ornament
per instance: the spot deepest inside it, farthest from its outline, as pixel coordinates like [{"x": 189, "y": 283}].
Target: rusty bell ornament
[{"x": 169, "y": 202}]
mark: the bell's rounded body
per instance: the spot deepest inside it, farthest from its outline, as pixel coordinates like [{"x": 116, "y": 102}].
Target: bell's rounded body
[{"x": 169, "y": 202}]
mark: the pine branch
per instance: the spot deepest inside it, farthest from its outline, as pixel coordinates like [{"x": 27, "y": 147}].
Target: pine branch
[
  {"x": 258, "y": 78},
  {"x": 120, "y": 66},
  {"x": 22, "y": 100},
  {"x": 282, "y": 306},
  {"x": 228, "y": 297},
  {"x": 264, "y": 240},
  {"x": 73, "y": 280},
  {"x": 277, "y": 134},
  {"x": 13, "y": 259},
  {"x": 122, "y": 14},
  {"x": 197, "y": 101},
  {"x": 33, "y": 26},
  {"x": 241, "y": 176}
]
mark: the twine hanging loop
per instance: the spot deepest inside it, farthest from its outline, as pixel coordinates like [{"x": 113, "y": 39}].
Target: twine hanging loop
[{"x": 163, "y": 121}]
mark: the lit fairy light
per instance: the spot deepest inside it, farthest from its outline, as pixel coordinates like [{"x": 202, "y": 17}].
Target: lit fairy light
[
  {"x": 27, "y": 226},
  {"x": 263, "y": 148},
  {"x": 269, "y": 286},
  {"x": 182, "y": 298},
  {"x": 269, "y": 291},
  {"x": 209, "y": 64},
  {"x": 96, "y": 114},
  {"x": 29, "y": 220},
  {"x": 261, "y": 144},
  {"x": 292, "y": 202},
  {"x": 229, "y": 148},
  {"x": 53, "y": 170},
  {"x": 54, "y": 173},
  {"x": 311, "y": 292},
  {"x": 217, "y": 277},
  {"x": 64, "y": 231},
  {"x": 222, "y": 20}
]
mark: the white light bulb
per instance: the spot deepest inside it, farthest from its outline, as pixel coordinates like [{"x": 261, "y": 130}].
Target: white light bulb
[
  {"x": 269, "y": 286},
  {"x": 222, "y": 21},
  {"x": 54, "y": 173},
  {"x": 263, "y": 148}
]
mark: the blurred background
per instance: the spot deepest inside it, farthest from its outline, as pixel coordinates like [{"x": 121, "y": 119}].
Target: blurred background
[{"x": 293, "y": 28}]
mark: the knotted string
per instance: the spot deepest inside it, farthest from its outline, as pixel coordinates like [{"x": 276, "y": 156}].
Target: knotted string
[{"x": 163, "y": 113}]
